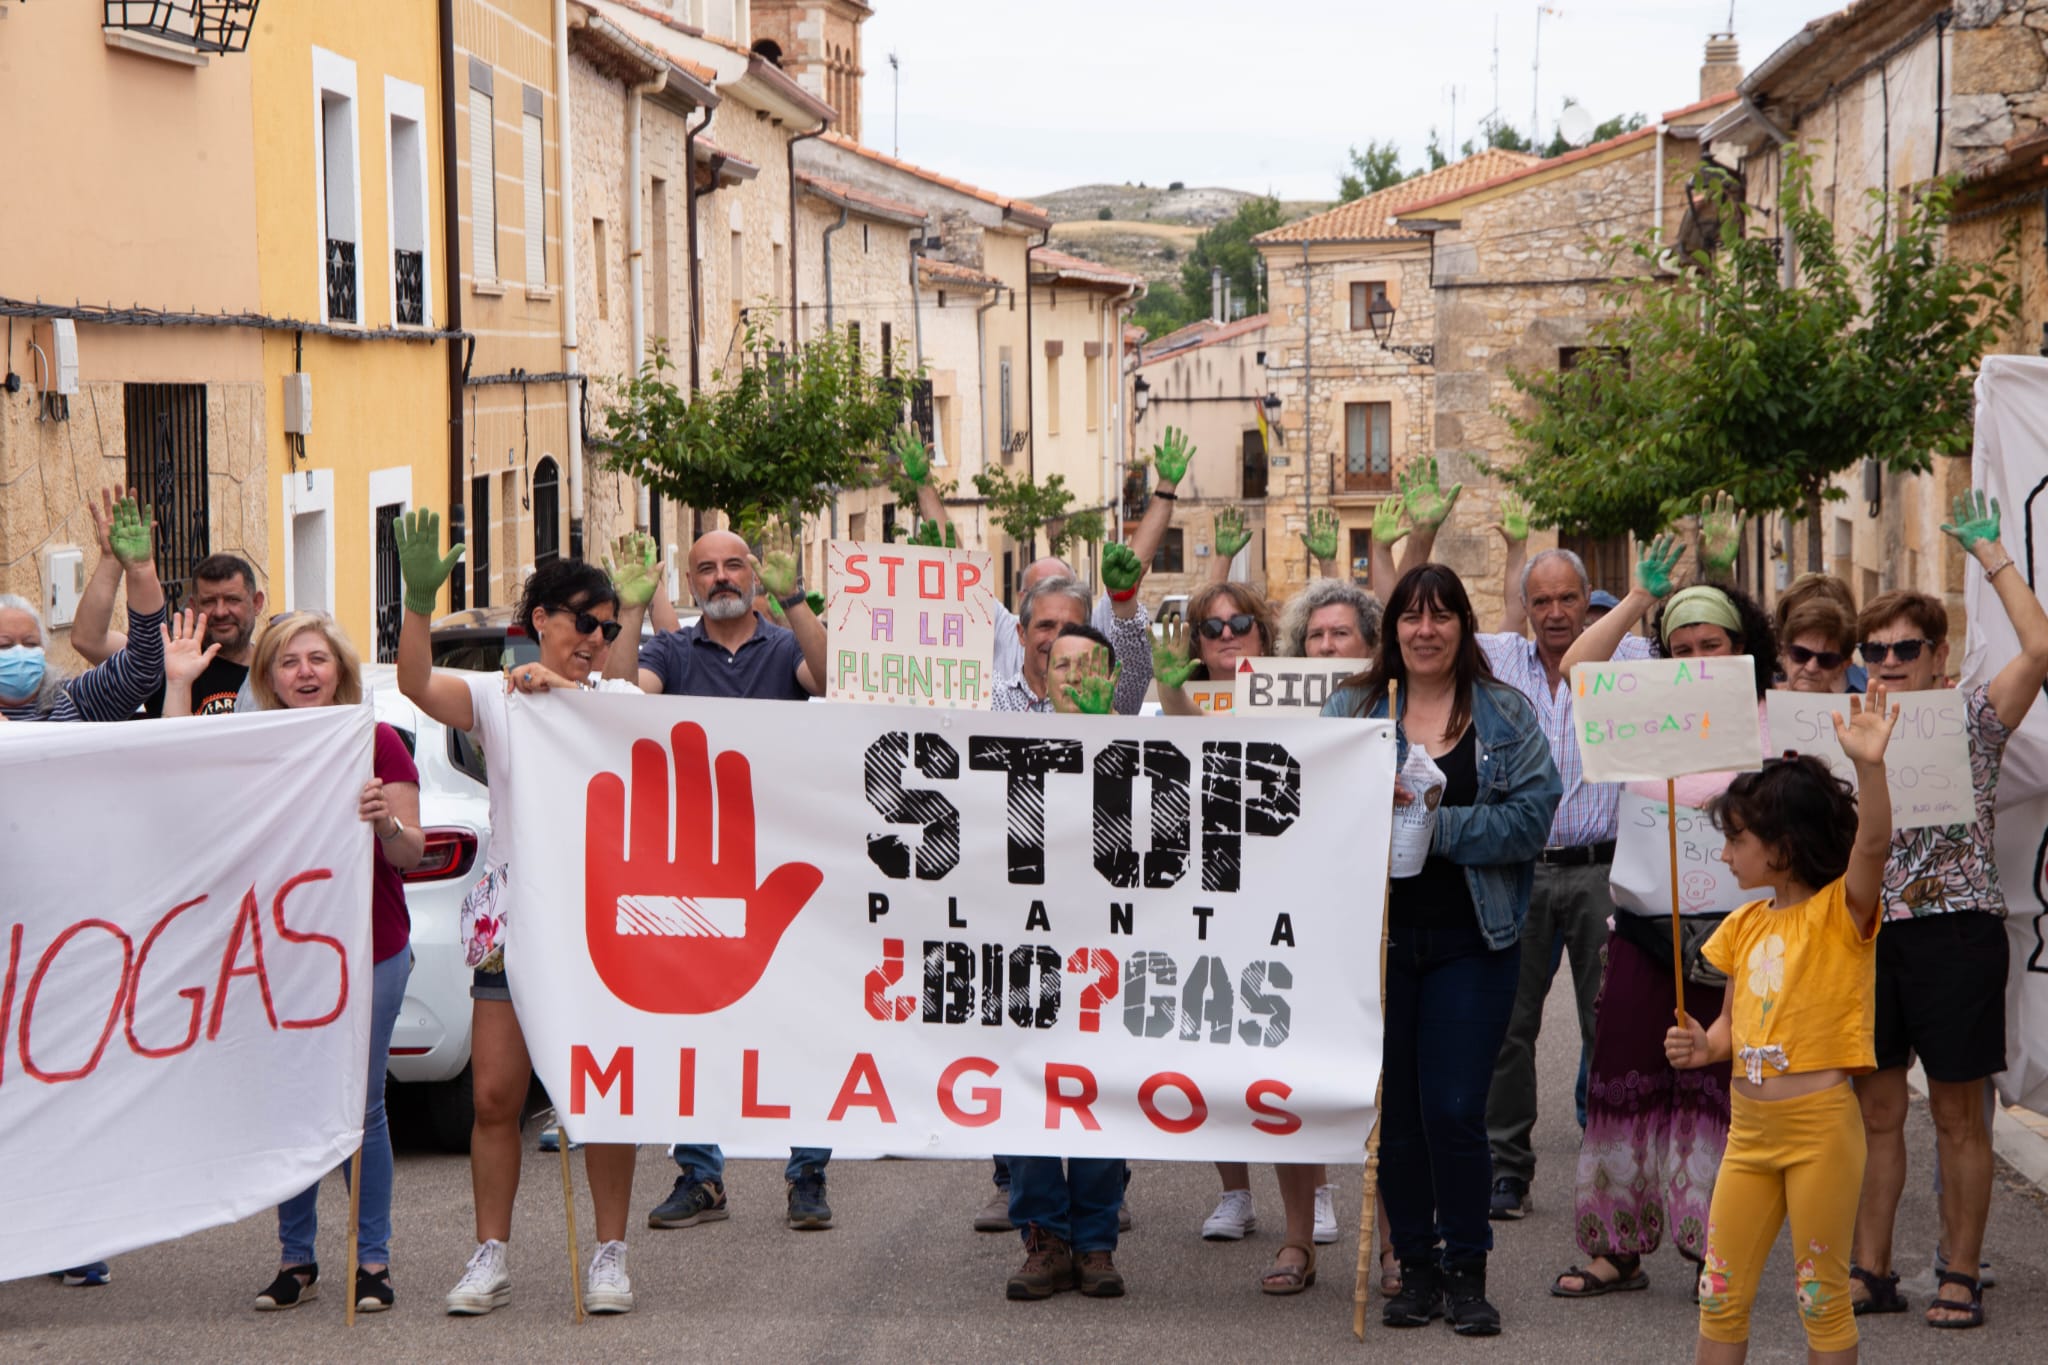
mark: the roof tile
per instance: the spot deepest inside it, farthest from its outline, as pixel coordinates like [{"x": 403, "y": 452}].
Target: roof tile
[
  {"x": 1062, "y": 266},
  {"x": 1018, "y": 207},
  {"x": 1371, "y": 219}
]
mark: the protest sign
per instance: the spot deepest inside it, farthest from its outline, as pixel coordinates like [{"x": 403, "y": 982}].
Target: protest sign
[
  {"x": 1641, "y": 881},
  {"x": 1085, "y": 935},
  {"x": 1210, "y": 697},
  {"x": 1660, "y": 718},
  {"x": 185, "y": 1026},
  {"x": 2010, "y": 463},
  {"x": 909, "y": 624},
  {"x": 1276, "y": 684},
  {"x": 2022, "y": 851},
  {"x": 1927, "y": 763}
]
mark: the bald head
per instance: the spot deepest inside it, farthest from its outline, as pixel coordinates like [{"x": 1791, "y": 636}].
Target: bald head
[
  {"x": 1041, "y": 569},
  {"x": 721, "y": 576}
]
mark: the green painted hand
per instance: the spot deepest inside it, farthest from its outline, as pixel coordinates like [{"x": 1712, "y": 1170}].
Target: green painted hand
[
  {"x": 815, "y": 600},
  {"x": 1230, "y": 533},
  {"x": 1389, "y": 521},
  {"x": 1170, "y": 457},
  {"x": 1720, "y": 535},
  {"x": 1321, "y": 535},
  {"x": 1429, "y": 506},
  {"x": 636, "y": 572},
  {"x": 420, "y": 561},
  {"x": 1653, "y": 570},
  {"x": 1514, "y": 519},
  {"x": 778, "y": 574},
  {"x": 1170, "y": 662},
  {"x": 1976, "y": 520},
  {"x": 1092, "y": 694},
  {"x": 1121, "y": 568},
  {"x": 916, "y": 460},
  {"x": 129, "y": 536}
]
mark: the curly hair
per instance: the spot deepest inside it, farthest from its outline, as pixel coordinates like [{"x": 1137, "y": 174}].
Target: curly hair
[
  {"x": 1799, "y": 810},
  {"x": 1328, "y": 592},
  {"x": 1758, "y": 638}
]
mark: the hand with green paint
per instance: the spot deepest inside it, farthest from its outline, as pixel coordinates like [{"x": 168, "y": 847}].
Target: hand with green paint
[
  {"x": 1230, "y": 533},
  {"x": 420, "y": 562},
  {"x": 911, "y": 454},
  {"x": 1321, "y": 535},
  {"x": 1429, "y": 506},
  {"x": 1092, "y": 694},
  {"x": 1171, "y": 665},
  {"x": 1976, "y": 521},
  {"x": 1653, "y": 570},
  {"x": 1390, "y": 521},
  {"x": 1514, "y": 519},
  {"x": 778, "y": 574},
  {"x": 1720, "y": 535},
  {"x": 129, "y": 536},
  {"x": 636, "y": 571},
  {"x": 1170, "y": 457},
  {"x": 1121, "y": 568},
  {"x": 815, "y": 600}
]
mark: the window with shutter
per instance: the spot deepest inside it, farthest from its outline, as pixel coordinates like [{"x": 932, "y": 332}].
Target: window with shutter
[
  {"x": 536, "y": 205},
  {"x": 483, "y": 187}
]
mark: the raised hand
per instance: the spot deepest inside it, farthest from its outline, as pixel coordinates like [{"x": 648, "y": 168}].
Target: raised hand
[
  {"x": 1389, "y": 521},
  {"x": 103, "y": 518},
  {"x": 1170, "y": 457},
  {"x": 129, "y": 535},
  {"x": 636, "y": 571},
  {"x": 1654, "y": 568},
  {"x": 1867, "y": 729},
  {"x": 911, "y": 454},
  {"x": 1229, "y": 532},
  {"x": 1976, "y": 520},
  {"x": 1514, "y": 519},
  {"x": 1321, "y": 535},
  {"x": 421, "y": 564},
  {"x": 1092, "y": 694},
  {"x": 1121, "y": 568},
  {"x": 692, "y": 933},
  {"x": 1429, "y": 506},
  {"x": 778, "y": 574},
  {"x": 1720, "y": 535},
  {"x": 184, "y": 657},
  {"x": 1170, "y": 662}
]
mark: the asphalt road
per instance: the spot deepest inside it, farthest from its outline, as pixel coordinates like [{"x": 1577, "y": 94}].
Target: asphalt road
[{"x": 902, "y": 1277}]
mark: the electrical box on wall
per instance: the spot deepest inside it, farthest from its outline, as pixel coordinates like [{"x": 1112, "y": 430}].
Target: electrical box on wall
[
  {"x": 298, "y": 404},
  {"x": 59, "y": 339},
  {"x": 64, "y": 571}
]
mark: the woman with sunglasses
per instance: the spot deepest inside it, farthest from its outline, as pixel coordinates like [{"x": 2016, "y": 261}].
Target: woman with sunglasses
[
  {"x": 1819, "y": 587},
  {"x": 1816, "y": 640},
  {"x": 569, "y": 608},
  {"x": 1229, "y": 621}
]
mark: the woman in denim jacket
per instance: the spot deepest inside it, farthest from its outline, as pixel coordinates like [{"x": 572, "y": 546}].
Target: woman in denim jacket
[{"x": 1453, "y": 952}]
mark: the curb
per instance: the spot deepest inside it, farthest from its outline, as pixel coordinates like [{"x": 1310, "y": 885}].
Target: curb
[{"x": 2019, "y": 1146}]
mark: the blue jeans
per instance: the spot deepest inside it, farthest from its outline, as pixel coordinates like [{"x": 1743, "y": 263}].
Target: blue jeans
[
  {"x": 1448, "y": 1001},
  {"x": 702, "y": 1162},
  {"x": 298, "y": 1218},
  {"x": 1076, "y": 1204}
]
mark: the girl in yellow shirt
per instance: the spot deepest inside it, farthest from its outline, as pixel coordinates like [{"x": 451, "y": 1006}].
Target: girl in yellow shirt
[{"x": 1797, "y": 1020}]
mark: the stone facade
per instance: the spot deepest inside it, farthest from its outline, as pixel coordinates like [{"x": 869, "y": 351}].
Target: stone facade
[{"x": 818, "y": 43}]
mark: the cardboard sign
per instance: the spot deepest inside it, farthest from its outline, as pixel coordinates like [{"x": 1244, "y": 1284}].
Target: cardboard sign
[
  {"x": 1658, "y": 718},
  {"x": 1275, "y": 684},
  {"x": 1641, "y": 880},
  {"x": 909, "y": 625},
  {"x": 1926, "y": 765},
  {"x": 1210, "y": 697}
]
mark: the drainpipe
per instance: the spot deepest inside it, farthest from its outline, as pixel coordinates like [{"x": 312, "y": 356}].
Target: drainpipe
[
  {"x": 818, "y": 131},
  {"x": 1308, "y": 393},
  {"x": 635, "y": 238},
  {"x": 825, "y": 249},
  {"x": 572, "y": 387},
  {"x": 917, "y": 296},
  {"x": 1113, "y": 379},
  {"x": 1031, "y": 381},
  {"x": 1657, "y": 207},
  {"x": 981, "y": 361},
  {"x": 690, "y": 235},
  {"x": 451, "y": 312}
]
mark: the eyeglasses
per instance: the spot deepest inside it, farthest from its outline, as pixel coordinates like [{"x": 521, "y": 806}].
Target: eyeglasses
[
  {"x": 586, "y": 623},
  {"x": 1240, "y": 624},
  {"x": 1826, "y": 658},
  {"x": 1905, "y": 651}
]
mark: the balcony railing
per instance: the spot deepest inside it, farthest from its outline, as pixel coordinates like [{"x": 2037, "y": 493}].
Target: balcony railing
[
  {"x": 408, "y": 268},
  {"x": 202, "y": 25},
  {"x": 341, "y": 280}
]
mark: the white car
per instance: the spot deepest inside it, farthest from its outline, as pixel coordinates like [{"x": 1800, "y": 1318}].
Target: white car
[{"x": 430, "y": 1045}]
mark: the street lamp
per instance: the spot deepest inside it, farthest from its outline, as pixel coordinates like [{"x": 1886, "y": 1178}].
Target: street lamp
[
  {"x": 1141, "y": 397},
  {"x": 1379, "y": 316}
]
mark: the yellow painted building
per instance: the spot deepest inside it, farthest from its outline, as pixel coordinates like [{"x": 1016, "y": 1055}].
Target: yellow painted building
[{"x": 348, "y": 119}]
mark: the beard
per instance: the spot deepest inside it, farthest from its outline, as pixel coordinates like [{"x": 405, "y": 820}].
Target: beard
[{"x": 724, "y": 606}]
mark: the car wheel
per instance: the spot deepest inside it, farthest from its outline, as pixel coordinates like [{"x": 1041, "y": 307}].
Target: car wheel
[{"x": 450, "y": 1112}]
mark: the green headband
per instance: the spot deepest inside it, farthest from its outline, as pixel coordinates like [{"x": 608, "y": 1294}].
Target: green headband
[{"x": 1699, "y": 605}]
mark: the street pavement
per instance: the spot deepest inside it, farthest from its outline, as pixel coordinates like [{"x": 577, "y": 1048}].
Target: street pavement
[{"x": 902, "y": 1277}]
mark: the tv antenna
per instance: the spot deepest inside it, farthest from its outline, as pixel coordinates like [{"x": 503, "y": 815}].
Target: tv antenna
[{"x": 896, "y": 119}]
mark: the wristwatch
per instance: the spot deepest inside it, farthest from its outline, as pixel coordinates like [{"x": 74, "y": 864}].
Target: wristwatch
[
  {"x": 796, "y": 599},
  {"x": 398, "y": 830}
]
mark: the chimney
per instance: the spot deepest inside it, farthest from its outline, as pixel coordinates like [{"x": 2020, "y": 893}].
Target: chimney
[
  {"x": 1216, "y": 293},
  {"x": 1722, "y": 70}
]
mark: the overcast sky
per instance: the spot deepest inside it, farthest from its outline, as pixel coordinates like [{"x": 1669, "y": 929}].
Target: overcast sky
[{"x": 1264, "y": 95}]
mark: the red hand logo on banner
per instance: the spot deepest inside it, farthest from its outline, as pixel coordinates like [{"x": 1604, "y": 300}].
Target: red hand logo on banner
[{"x": 692, "y": 933}]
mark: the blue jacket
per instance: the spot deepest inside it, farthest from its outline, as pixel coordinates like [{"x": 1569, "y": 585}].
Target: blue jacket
[{"x": 1497, "y": 838}]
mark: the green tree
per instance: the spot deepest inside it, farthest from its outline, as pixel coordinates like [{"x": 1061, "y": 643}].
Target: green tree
[
  {"x": 1433, "y": 154},
  {"x": 1722, "y": 377},
  {"x": 1228, "y": 244},
  {"x": 1023, "y": 508},
  {"x": 1372, "y": 170},
  {"x": 1495, "y": 133},
  {"x": 1614, "y": 127}
]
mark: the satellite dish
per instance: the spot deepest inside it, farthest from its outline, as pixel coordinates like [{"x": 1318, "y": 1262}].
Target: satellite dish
[{"x": 1575, "y": 125}]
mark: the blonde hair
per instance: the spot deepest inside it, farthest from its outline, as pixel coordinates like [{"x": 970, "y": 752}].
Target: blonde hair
[{"x": 281, "y": 631}]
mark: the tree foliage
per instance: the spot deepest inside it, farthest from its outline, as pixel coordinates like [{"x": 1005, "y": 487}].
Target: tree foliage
[
  {"x": 1376, "y": 168},
  {"x": 1723, "y": 377},
  {"x": 1611, "y": 128},
  {"x": 1229, "y": 244},
  {"x": 1023, "y": 508}
]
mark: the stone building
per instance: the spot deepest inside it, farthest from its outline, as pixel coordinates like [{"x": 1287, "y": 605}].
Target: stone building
[{"x": 818, "y": 43}]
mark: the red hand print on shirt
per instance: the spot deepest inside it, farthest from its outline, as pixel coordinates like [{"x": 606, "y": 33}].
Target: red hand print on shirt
[{"x": 693, "y": 933}]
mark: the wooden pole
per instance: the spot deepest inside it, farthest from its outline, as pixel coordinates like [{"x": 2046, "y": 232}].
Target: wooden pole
[
  {"x": 355, "y": 1210},
  {"x": 569, "y": 1213},
  {"x": 1677, "y": 934},
  {"x": 1368, "y": 1205}
]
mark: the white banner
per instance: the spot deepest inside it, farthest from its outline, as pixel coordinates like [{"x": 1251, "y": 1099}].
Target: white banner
[
  {"x": 1291, "y": 684},
  {"x": 185, "y": 1011},
  {"x": 1654, "y": 718},
  {"x": 909, "y": 625},
  {"x": 2010, "y": 463},
  {"x": 2023, "y": 874},
  {"x": 1641, "y": 880},
  {"x": 1927, "y": 763},
  {"x": 951, "y": 935}
]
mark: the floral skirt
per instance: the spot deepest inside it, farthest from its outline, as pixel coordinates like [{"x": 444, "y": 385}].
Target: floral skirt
[{"x": 1654, "y": 1134}]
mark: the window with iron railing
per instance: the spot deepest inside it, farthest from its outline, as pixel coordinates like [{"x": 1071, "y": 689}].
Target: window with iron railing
[
  {"x": 412, "y": 287},
  {"x": 341, "y": 280},
  {"x": 202, "y": 25},
  {"x": 388, "y": 608},
  {"x": 166, "y": 448}
]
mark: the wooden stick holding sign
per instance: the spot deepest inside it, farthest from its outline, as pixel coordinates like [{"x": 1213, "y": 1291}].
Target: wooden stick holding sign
[
  {"x": 355, "y": 1210},
  {"x": 569, "y": 1212},
  {"x": 1361, "y": 1287},
  {"x": 1677, "y": 930}
]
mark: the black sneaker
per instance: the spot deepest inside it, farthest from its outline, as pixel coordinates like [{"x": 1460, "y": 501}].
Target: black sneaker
[
  {"x": 1510, "y": 1199},
  {"x": 690, "y": 1204},
  {"x": 1421, "y": 1300},
  {"x": 288, "y": 1290},
  {"x": 1465, "y": 1305},
  {"x": 373, "y": 1290},
  {"x": 808, "y": 1211}
]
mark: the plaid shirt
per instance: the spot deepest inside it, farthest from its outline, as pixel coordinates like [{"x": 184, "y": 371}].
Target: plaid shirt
[{"x": 1586, "y": 815}]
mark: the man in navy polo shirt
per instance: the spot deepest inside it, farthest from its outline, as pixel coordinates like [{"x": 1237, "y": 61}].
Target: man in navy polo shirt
[{"x": 729, "y": 651}]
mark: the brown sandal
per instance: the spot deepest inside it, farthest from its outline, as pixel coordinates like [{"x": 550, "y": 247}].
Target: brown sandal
[
  {"x": 1290, "y": 1279},
  {"x": 1628, "y": 1276}
]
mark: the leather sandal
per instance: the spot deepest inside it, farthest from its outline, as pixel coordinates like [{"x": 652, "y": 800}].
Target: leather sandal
[
  {"x": 1882, "y": 1292},
  {"x": 1973, "y": 1311},
  {"x": 1628, "y": 1277},
  {"x": 1290, "y": 1279}
]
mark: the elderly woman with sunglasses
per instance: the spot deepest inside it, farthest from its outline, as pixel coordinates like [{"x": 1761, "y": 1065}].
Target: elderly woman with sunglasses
[{"x": 570, "y": 609}]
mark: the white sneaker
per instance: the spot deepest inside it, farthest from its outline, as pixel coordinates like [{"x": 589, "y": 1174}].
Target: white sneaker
[
  {"x": 608, "y": 1290},
  {"x": 1326, "y": 1215},
  {"x": 1233, "y": 1218},
  {"x": 485, "y": 1284}
]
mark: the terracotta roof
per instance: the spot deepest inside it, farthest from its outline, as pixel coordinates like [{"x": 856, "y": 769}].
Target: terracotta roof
[
  {"x": 933, "y": 271},
  {"x": 1058, "y": 265},
  {"x": 859, "y": 200},
  {"x": 1199, "y": 334},
  {"x": 757, "y": 65},
  {"x": 669, "y": 21},
  {"x": 1027, "y": 213},
  {"x": 1371, "y": 219}
]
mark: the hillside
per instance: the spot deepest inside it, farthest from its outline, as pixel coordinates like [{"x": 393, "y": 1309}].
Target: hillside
[{"x": 1149, "y": 231}]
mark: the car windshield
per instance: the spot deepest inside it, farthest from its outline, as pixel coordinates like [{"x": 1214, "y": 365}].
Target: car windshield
[{"x": 485, "y": 653}]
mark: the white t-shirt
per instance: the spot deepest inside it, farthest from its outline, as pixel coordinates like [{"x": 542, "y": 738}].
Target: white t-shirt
[{"x": 493, "y": 719}]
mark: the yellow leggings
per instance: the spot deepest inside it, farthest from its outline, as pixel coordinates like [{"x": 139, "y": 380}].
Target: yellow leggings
[{"x": 1806, "y": 1155}]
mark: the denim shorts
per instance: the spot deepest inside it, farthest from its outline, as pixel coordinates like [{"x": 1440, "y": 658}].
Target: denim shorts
[{"x": 485, "y": 985}]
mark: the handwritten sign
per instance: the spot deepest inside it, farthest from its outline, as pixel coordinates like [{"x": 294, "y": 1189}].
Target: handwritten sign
[
  {"x": 1274, "y": 684},
  {"x": 1641, "y": 880},
  {"x": 909, "y": 625},
  {"x": 1657, "y": 718},
  {"x": 1926, "y": 765},
  {"x": 1211, "y": 698}
]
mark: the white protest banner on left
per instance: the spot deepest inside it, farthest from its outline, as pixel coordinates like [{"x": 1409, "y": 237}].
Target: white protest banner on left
[
  {"x": 2022, "y": 852},
  {"x": 1927, "y": 763},
  {"x": 185, "y": 1009},
  {"x": 951, "y": 934},
  {"x": 1640, "y": 719},
  {"x": 910, "y": 625},
  {"x": 1291, "y": 684}
]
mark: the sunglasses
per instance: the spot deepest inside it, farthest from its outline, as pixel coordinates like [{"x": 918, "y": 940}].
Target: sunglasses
[
  {"x": 1826, "y": 658},
  {"x": 1905, "y": 651},
  {"x": 1240, "y": 624},
  {"x": 586, "y": 623}
]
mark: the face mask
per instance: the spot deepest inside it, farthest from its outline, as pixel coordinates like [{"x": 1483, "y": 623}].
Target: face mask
[{"x": 21, "y": 671}]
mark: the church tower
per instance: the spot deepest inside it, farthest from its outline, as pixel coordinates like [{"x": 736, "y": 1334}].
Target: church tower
[{"x": 817, "y": 42}]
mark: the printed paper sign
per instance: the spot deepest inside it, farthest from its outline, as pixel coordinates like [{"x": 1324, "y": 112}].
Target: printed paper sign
[
  {"x": 1086, "y": 935},
  {"x": 184, "y": 1027},
  {"x": 910, "y": 625},
  {"x": 1926, "y": 765},
  {"x": 1641, "y": 880},
  {"x": 1276, "y": 684},
  {"x": 1658, "y": 718}
]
